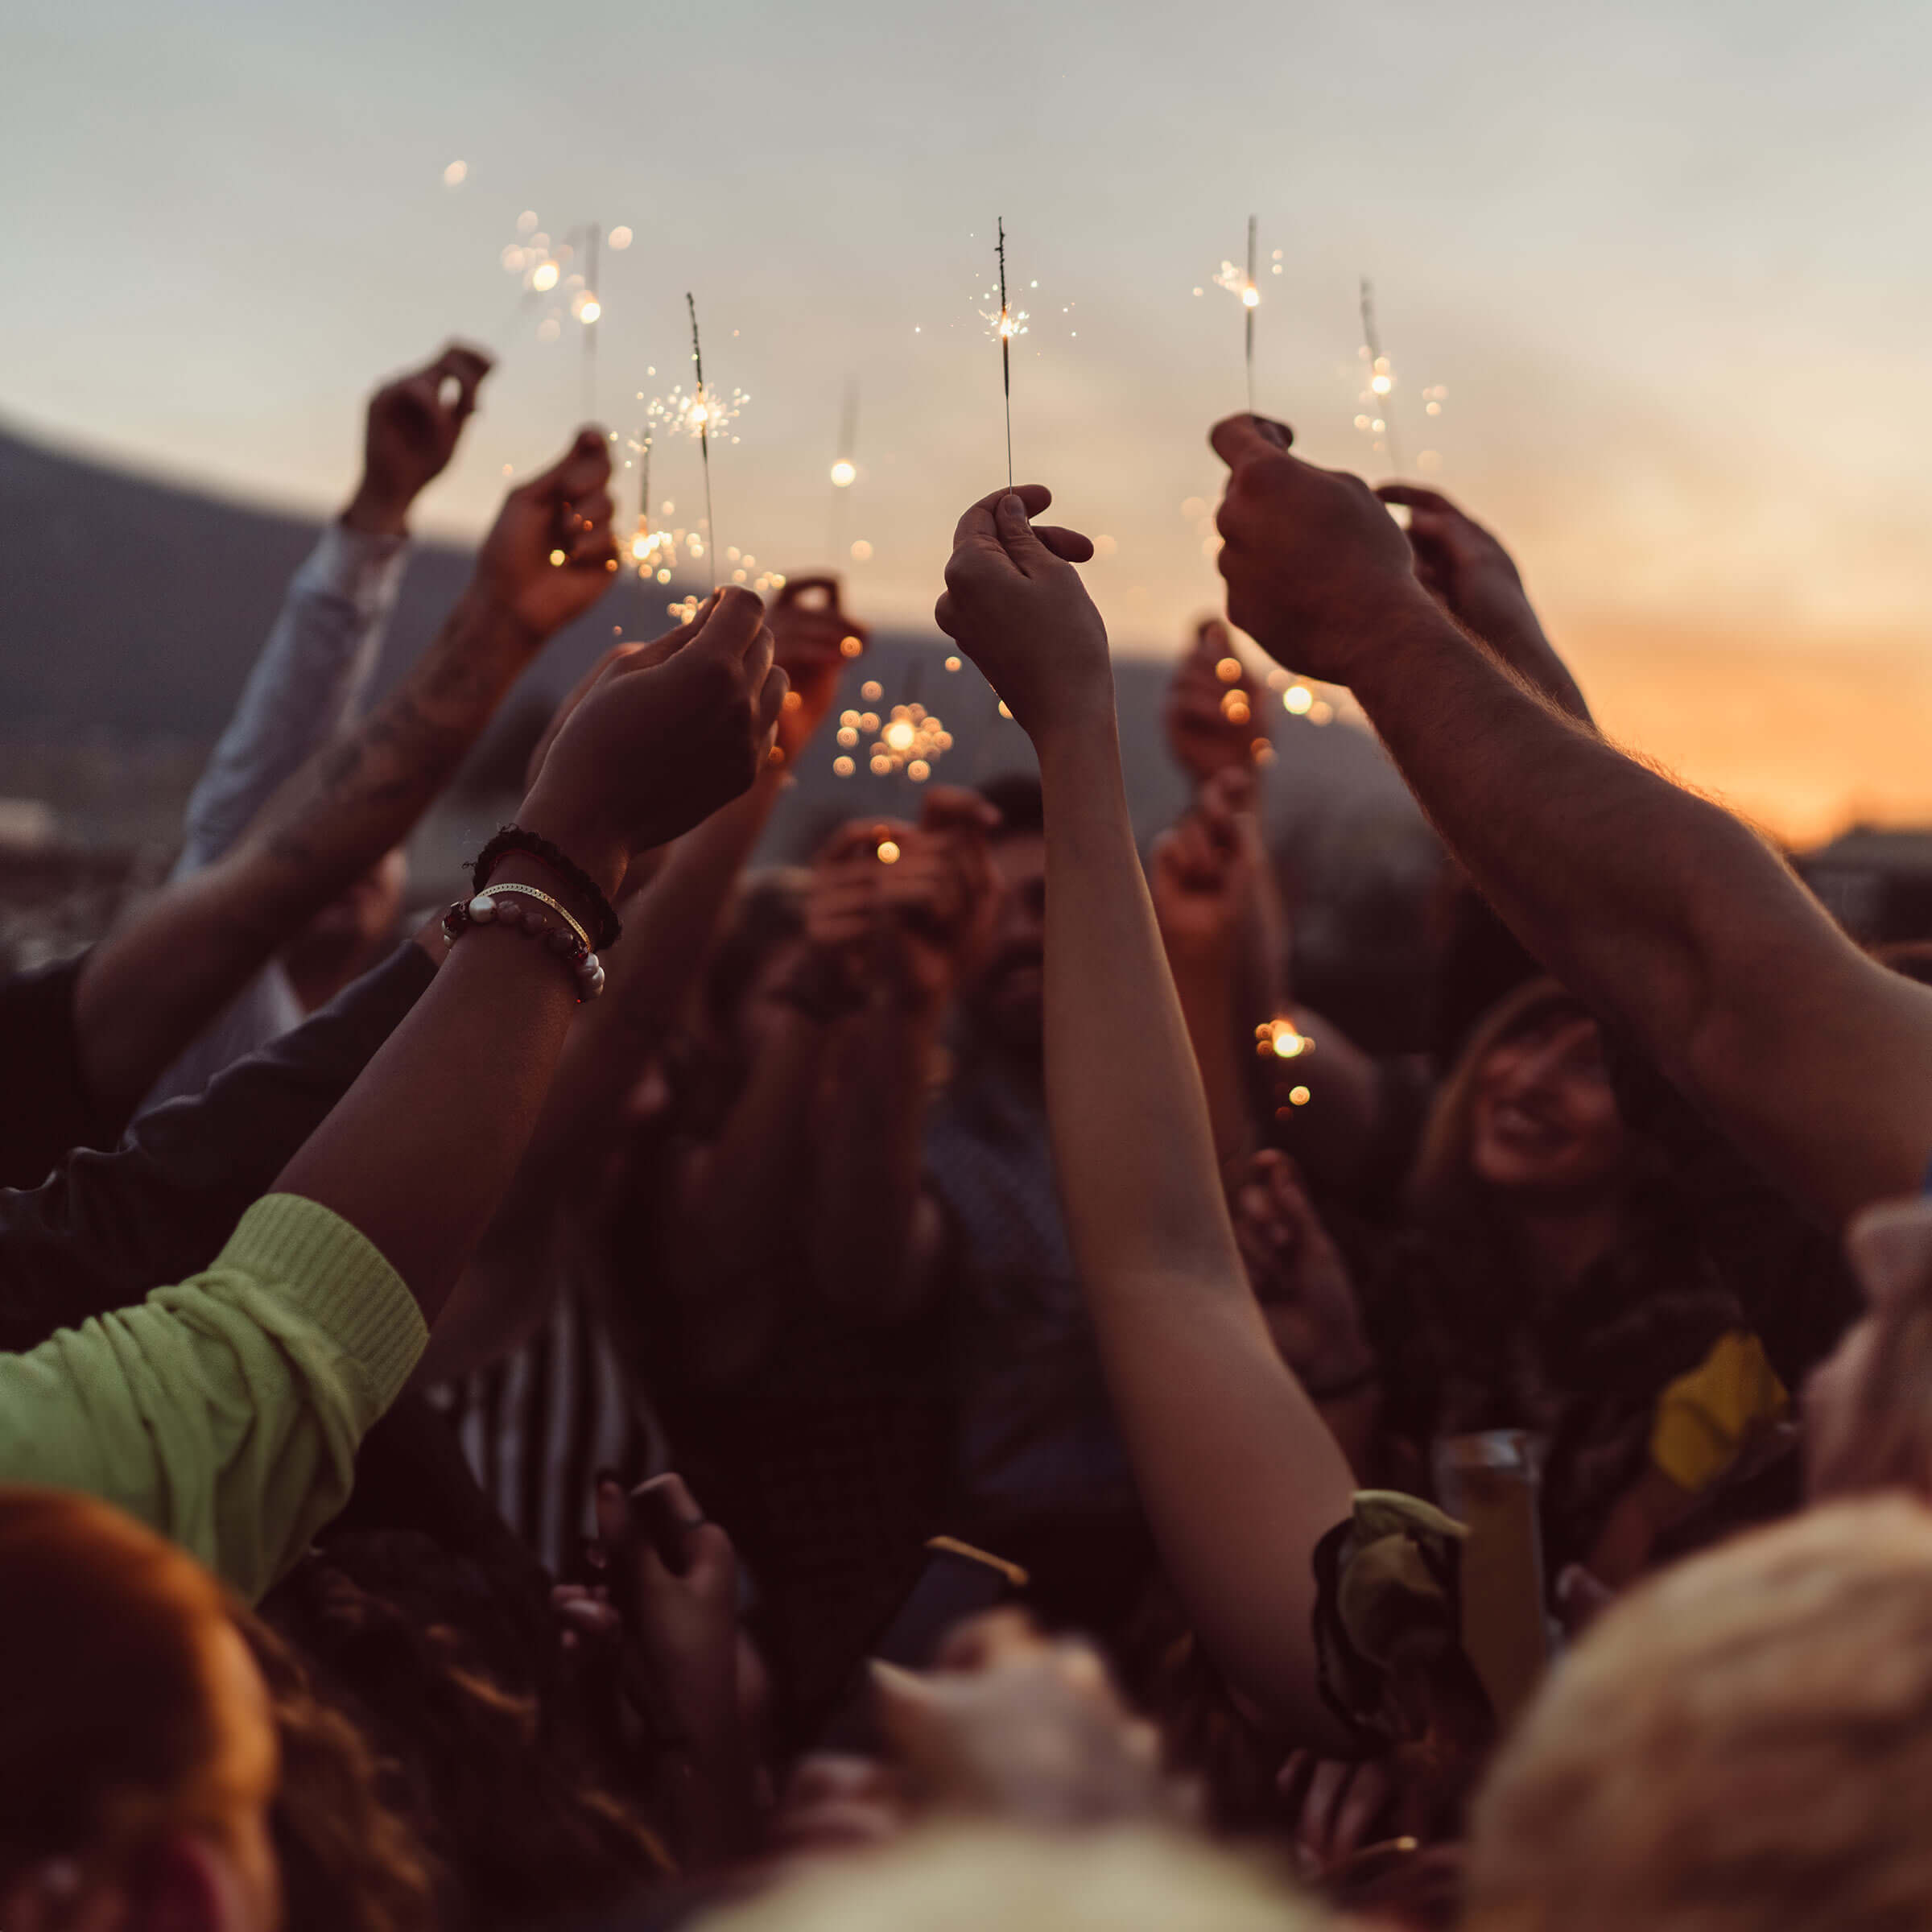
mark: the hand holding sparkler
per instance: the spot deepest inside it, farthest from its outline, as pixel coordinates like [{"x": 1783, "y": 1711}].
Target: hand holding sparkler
[
  {"x": 548, "y": 557},
  {"x": 1468, "y": 571},
  {"x": 1215, "y": 714},
  {"x": 1316, "y": 568},
  {"x": 664, "y": 737},
  {"x": 1298, "y": 1276},
  {"x": 1016, "y": 606},
  {"x": 413, "y": 427},
  {"x": 1203, "y": 871},
  {"x": 816, "y": 639}
]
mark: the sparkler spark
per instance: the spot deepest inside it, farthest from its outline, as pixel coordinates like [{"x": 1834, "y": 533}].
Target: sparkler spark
[
  {"x": 908, "y": 738},
  {"x": 1004, "y": 324},
  {"x": 1240, "y": 282},
  {"x": 1379, "y": 419}
]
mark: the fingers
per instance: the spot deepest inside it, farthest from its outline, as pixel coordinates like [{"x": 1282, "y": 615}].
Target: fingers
[
  {"x": 1415, "y": 497},
  {"x": 1211, "y": 642},
  {"x": 976, "y": 527},
  {"x": 734, "y": 625},
  {"x": 1025, "y": 545},
  {"x": 1239, "y": 441},
  {"x": 583, "y": 468},
  {"x": 1069, "y": 546},
  {"x": 466, "y": 367},
  {"x": 794, "y": 590},
  {"x": 771, "y": 701}
]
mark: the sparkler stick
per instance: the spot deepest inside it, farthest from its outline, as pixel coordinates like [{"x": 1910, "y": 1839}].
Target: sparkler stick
[
  {"x": 845, "y": 473},
  {"x": 1005, "y": 350},
  {"x": 1251, "y": 298},
  {"x": 703, "y": 415},
  {"x": 1381, "y": 380},
  {"x": 591, "y": 309}
]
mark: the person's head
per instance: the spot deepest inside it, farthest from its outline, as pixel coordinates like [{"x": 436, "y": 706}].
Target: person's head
[
  {"x": 960, "y": 1878},
  {"x": 1869, "y": 1405},
  {"x": 1743, "y": 1745},
  {"x": 1528, "y": 1113},
  {"x": 1005, "y": 996},
  {"x": 344, "y": 937},
  {"x": 137, "y": 1752}
]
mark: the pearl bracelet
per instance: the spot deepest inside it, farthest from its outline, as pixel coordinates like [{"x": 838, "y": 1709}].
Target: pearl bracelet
[{"x": 567, "y": 941}]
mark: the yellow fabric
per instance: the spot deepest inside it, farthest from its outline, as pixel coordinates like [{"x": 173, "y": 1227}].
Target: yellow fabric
[
  {"x": 225, "y": 1412},
  {"x": 1706, "y": 1418}
]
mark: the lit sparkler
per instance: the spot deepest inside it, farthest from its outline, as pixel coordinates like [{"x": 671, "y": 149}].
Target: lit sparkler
[
  {"x": 1378, "y": 402},
  {"x": 1004, "y": 324},
  {"x": 907, "y": 738},
  {"x": 1243, "y": 284}
]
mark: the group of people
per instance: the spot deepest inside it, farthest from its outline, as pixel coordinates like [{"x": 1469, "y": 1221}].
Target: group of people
[{"x": 928, "y": 1385}]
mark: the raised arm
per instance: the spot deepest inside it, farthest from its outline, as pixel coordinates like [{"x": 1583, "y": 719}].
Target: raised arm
[
  {"x": 154, "y": 982},
  {"x": 315, "y": 665},
  {"x": 225, "y": 1411},
  {"x": 1238, "y": 1475},
  {"x": 1655, "y": 904}
]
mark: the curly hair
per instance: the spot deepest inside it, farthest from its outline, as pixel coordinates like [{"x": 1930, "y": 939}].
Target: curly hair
[
  {"x": 438, "y": 1670},
  {"x": 350, "y": 1862}
]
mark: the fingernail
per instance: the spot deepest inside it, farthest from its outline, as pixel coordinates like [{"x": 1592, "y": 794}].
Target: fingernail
[
  {"x": 1279, "y": 434},
  {"x": 1012, "y": 509}
]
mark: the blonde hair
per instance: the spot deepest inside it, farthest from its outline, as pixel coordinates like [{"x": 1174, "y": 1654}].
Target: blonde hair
[
  {"x": 1743, "y": 1745},
  {"x": 965, "y": 1878}
]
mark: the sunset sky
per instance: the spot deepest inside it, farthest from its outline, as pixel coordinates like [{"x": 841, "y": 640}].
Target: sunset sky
[{"x": 1672, "y": 263}]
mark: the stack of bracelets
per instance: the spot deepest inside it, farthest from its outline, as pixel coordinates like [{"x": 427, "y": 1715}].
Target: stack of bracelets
[{"x": 503, "y": 905}]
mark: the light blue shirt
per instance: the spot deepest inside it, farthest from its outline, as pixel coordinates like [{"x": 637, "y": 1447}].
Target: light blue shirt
[{"x": 310, "y": 680}]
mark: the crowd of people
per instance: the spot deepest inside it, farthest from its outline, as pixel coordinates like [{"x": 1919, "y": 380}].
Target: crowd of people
[{"x": 928, "y": 1387}]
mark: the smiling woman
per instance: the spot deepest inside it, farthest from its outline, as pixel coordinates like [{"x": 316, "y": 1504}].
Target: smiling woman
[{"x": 1560, "y": 1275}]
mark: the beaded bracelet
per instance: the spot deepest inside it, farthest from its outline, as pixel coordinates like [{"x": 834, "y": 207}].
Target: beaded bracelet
[
  {"x": 513, "y": 838},
  {"x": 568, "y": 945}
]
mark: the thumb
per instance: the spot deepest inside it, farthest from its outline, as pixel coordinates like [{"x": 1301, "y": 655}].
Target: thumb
[{"x": 1018, "y": 539}]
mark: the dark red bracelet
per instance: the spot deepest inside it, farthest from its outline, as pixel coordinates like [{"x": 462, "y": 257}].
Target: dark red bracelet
[{"x": 513, "y": 838}]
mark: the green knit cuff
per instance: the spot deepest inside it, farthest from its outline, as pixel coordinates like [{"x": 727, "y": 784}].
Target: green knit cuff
[{"x": 336, "y": 1276}]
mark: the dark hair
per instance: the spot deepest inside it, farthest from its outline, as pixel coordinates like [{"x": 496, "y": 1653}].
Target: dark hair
[
  {"x": 1472, "y": 1343},
  {"x": 436, "y": 1666}
]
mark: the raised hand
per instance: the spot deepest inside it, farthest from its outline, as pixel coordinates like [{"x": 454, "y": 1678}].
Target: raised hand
[
  {"x": 1298, "y": 1276},
  {"x": 1016, "y": 606},
  {"x": 1214, "y": 724},
  {"x": 412, "y": 430},
  {"x": 1017, "y": 1725},
  {"x": 912, "y": 916},
  {"x": 1468, "y": 570},
  {"x": 1203, "y": 871},
  {"x": 811, "y": 629},
  {"x": 665, "y": 734},
  {"x": 1316, "y": 568},
  {"x": 548, "y": 556}
]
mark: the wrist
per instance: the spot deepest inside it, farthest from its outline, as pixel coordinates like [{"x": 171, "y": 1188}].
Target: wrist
[
  {"x": 377, "y": 512},
  {"x": 578, "y": 834},
  {"x": 1386, "y": 664}
]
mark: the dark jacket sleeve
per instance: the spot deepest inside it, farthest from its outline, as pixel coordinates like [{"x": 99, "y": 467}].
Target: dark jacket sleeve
[
  {"x": 106, "y": 1228},
  {"x": 45, "y": 1110}
]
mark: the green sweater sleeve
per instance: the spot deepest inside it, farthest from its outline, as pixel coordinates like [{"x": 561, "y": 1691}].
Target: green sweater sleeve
[{"x": 225, "y": 1412}]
